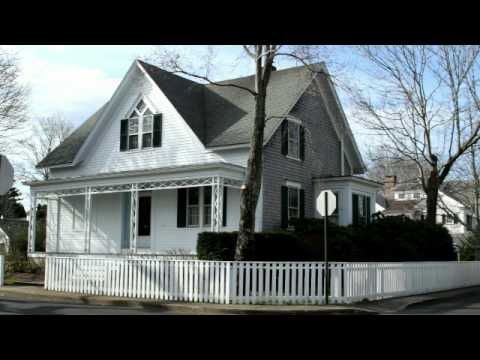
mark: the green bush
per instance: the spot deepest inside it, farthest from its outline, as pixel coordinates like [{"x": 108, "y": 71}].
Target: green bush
[
  {"x": 267, "y": 246},
  {"x": 387, "y": 239},
  {"x": 393, "y": 238}
]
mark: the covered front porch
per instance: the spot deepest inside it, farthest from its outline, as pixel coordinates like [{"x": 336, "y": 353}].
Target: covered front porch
[{"x": 150, "y": 212}]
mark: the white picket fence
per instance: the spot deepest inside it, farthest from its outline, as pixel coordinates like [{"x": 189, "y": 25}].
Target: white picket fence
[{"x": 230, "y": 282}]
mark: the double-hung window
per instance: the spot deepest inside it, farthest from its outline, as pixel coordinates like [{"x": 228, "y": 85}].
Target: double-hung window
[
  {"x": 142, "y": 129},
  {"x": 294, "y": 140},
  {"x": 293, "y": 202}
]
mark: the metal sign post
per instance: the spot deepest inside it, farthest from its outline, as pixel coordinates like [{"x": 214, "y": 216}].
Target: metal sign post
[{"x": 326, "y": 205}]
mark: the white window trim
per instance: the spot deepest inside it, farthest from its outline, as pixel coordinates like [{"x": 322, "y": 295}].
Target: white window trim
[{"x": 293, "y": 184}]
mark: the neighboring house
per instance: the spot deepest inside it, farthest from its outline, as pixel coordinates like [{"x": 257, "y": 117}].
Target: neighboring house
[
  {"x": 10, "y": 231},
  {"x": 164, "y": 159},
  {"x": 409, "y": 200}
]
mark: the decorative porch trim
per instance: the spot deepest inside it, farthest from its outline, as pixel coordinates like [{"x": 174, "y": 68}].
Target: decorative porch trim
[
  {"x": 140, "y": 186},
  {"x": 133, "y": 219}
]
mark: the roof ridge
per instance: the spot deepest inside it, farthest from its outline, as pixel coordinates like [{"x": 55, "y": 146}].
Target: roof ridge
[{"x": 142, "y": 62}]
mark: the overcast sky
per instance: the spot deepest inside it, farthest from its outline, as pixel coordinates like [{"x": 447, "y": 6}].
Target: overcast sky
[{"x": 75, "y": 80}]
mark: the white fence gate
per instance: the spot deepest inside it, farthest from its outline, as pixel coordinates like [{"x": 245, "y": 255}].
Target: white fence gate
[{"x": 230, "y": 282}]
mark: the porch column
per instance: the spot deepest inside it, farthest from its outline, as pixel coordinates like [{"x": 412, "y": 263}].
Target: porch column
[
  {"x": 32, "y": 224},
  {"x": 57, "y": 237},
  {"x": 88, "y": 218},
  {"x": 133, "y": 219},
  {"x": 217, "y": 203}
]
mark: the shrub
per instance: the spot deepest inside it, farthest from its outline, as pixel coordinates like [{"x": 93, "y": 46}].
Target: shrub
[
  {"x": 395, "y": 238},
  {"x": 386, "y": 239},
  {"x": 267, "y": 246}
]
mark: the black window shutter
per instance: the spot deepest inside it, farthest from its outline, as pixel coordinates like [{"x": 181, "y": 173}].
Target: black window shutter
[
  {"x": 123, "y": 134},
  {"x": 284, "y": 137},
  {"x": 355, "y": 209},
  {"x": 302, "y": 143},
  {"x": 302, "y": 203},
  {"x": 157, "y": 130},
  {"x": 284, "y": 207},
  {"x": 181, "y": 208},
  {"x": 224, "y": 216}
]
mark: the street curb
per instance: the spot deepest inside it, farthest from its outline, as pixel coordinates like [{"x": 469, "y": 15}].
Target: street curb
[{"x": 198, "y": 308}]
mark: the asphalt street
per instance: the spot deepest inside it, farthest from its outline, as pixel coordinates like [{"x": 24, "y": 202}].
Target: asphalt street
[
  {"x": 458, "y": 305},
  {"x": 14, "y": 307}
]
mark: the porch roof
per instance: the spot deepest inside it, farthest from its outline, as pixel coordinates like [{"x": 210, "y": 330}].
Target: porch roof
[{"x": 166, "y": 174}]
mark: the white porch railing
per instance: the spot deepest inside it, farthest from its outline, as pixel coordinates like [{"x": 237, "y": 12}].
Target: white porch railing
[{"x": 229, "y": 282}]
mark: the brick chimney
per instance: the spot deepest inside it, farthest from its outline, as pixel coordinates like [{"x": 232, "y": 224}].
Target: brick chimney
[{"x": 389, "y": 183}]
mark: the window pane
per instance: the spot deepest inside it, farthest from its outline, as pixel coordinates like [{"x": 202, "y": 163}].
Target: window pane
[
  {"x": 141, "y": 106},
  {"x": 293, "y": 197},
  {"x": 292, "y": 213},
  {"x": 207, "y": 209},
  {"x": 147, "y": 140},
  {"x": 133, "y": 142},
  {"x": 207, "y": 214},
  {"x": 144, "y": 215},
  {"x": 133, "y": 126},
  {"x": 147, "y": 124},
  {"x": 147, "y": 112},
  {"x": 193, "y": 197},
  {"x": 193, "y": 215},
  {"x": 133, "y": 114}
]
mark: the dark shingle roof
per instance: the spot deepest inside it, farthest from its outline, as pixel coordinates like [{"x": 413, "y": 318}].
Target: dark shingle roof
[
  {"x": 229, "y": 110},
  {"x": 66, "y": 151},
  {"x": 219, "y": 115}
]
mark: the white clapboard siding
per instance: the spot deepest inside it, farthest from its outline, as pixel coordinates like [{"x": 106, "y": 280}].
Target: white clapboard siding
[{"x": 246, "y": 282}]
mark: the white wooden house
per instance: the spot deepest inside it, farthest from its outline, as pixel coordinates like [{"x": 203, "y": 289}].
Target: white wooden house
[{"x": 164, "y": 159}]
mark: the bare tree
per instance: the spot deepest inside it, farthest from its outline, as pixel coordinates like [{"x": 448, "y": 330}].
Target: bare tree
[
  {"x": 262, "y": 57},
  {"x": 13, "y": 98},
  {"x": 49, "y": 133},
  {"x": 417, "y": 98}
]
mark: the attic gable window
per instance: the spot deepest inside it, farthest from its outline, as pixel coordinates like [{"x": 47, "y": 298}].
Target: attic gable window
[{"x": 142, "y": 129}]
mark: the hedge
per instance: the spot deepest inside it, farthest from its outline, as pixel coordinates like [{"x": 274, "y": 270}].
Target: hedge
[{"x": 388, "y": 239}]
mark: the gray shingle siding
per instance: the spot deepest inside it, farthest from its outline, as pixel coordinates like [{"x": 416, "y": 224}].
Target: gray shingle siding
[
  {"x": 347, "y": 167},
  {"x": 322, "y": 158}
]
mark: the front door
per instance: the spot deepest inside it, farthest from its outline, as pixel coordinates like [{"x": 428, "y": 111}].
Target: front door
[{"x": 144, "y": 219}]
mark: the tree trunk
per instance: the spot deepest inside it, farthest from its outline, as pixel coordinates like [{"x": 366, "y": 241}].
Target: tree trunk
[
  {"x": 253, "y": 180},
  {"x": 431, "y": 190}
]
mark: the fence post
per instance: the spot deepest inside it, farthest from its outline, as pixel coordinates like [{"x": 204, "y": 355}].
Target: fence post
[{"x": 2, "y": 269}]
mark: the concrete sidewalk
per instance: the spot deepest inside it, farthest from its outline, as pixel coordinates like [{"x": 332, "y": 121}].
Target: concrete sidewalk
[
  {"x": 388, "y": 306},
  {"x": 38, "y": 293}
]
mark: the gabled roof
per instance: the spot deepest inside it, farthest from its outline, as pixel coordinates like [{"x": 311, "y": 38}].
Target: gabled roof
[
  {"x": 65, "y": 152},
  {"x": 218, "y": 115},
  {"x": 223, "y": 115}
]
